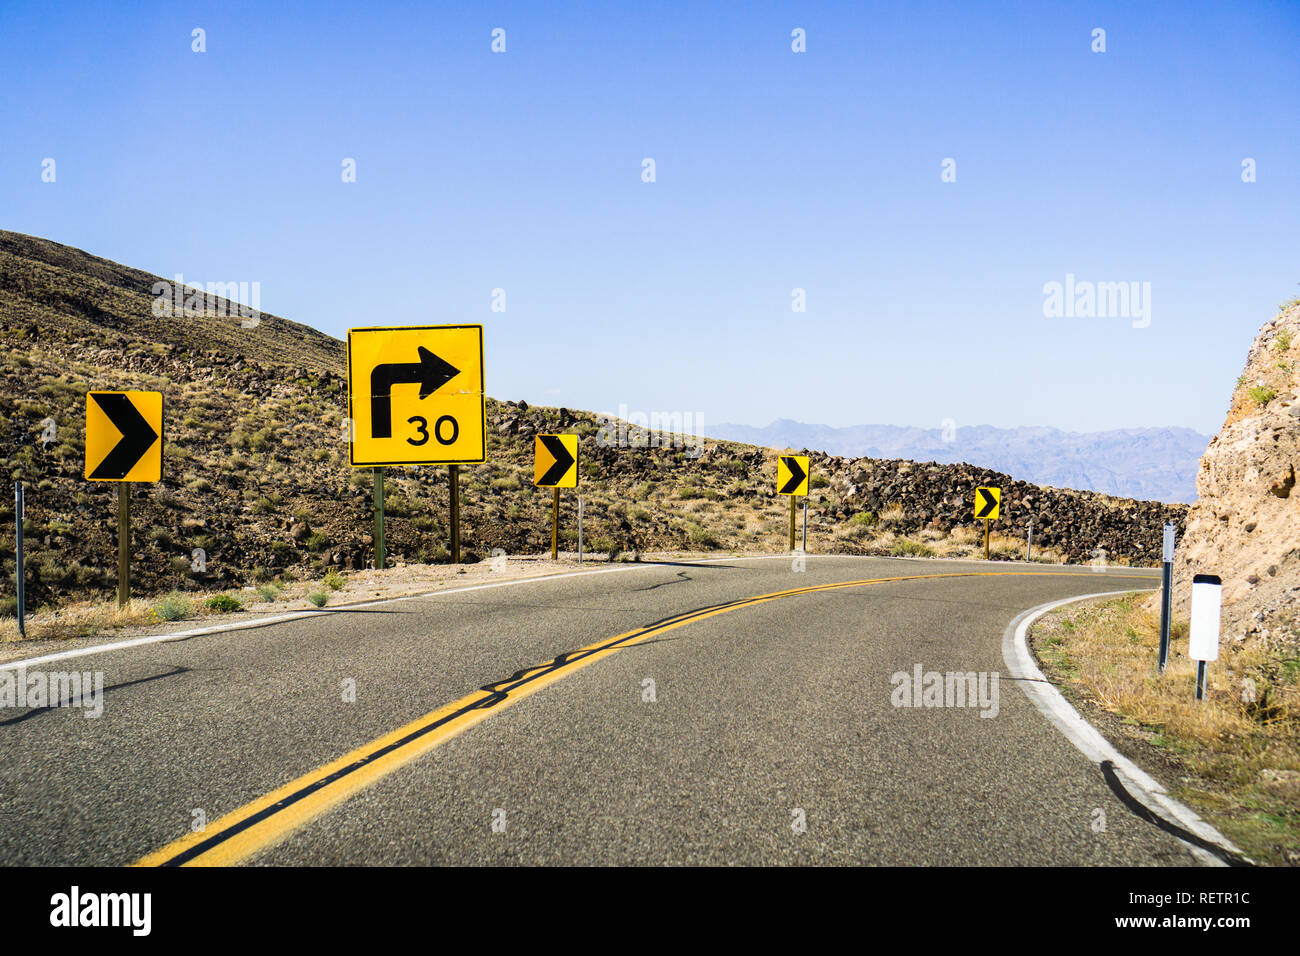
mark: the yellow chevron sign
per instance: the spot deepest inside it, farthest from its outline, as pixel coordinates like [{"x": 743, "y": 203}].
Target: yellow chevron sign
[
  {"x": 792, "y": 475},
  {"x": 124, "y": 436},
  {"x": 988, "y": 503},
  {"x": 555, "y": 464}
]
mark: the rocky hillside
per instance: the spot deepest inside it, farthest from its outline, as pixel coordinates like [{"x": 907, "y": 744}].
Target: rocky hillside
[
  {"x": 1245, "y": 527},
  {"x": 256, "y": 470}
]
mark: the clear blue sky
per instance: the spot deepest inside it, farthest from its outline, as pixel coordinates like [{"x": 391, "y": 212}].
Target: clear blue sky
[{"x": 775, "y": 170}]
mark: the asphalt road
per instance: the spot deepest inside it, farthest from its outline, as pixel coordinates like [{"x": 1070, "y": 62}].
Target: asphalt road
[{"x": 769, "y": 733}]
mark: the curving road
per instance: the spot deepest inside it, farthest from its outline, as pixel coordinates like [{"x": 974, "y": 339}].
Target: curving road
[{"x": 701, "y": 728}]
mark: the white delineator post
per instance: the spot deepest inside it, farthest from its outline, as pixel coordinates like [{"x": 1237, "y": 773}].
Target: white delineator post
[{"x": 1203, "y": 643}]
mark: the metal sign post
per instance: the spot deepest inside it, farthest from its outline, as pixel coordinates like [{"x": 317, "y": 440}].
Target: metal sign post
[
  {"x": 1166, "y": 596},
  {"x": 453, "y": 481},
  {"x": 123, "y": 543},
  {"x": 19, "y": 573},
  {"x": 555, "y": 525},
  {"x": 381, "y": 558},
  {"x": 805, "y": 526},
  {"x": 792, "y": 524},
  {"x": 580, "y": 529}
]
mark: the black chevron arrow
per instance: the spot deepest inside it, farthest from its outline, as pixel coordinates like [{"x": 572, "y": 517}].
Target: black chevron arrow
[
  {"x": 797, "y": 475},
  {"x": 987, "y": 505},
  {"x": 563, "y": 461},
  {"x": 431, "y": 372},
  {"x": 138, "y": 437}
]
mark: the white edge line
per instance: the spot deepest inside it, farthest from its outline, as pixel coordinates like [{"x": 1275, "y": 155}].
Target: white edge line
[{"x": 1142, "y": 786}]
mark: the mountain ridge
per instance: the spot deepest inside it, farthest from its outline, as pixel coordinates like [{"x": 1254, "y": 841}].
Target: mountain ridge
[{"x": 1150, "y": 463}]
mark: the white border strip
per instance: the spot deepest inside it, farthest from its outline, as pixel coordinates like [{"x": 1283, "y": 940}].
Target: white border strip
[{"x": 1142, "y": 786}]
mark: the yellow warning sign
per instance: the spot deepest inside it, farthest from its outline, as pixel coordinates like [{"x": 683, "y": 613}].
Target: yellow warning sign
[
  {"x": 988, "y": 503},
  {"x": 792, "y": 475},
  {"x": 415, "y": 395},
  {"x": 124, "y": 436},
  {"x": 556, "y": 461}
]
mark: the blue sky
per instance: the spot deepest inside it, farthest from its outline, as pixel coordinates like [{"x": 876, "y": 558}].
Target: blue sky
[{"x": 775, "y": 170}]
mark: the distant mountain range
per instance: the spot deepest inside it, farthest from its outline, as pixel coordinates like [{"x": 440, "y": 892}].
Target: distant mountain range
[{"x": 1157, "y": 464}]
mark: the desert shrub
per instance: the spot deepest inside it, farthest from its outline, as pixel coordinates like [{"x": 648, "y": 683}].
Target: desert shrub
[
  {"x": 268, "y": 591},
  {"x": 174, "y": 607},
  {"x": 913, "y": 549},
  {"x": 1262, "y": 395},
  {"x": 333, "y": 580},
  {"x": 223, "y": 603},
  {"x": 318, "y": 598},
  {"x": 863, "y": 519}
]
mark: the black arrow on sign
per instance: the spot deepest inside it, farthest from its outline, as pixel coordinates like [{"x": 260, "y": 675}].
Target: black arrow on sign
[
  {"x": 563, "y": 461},
  {"x": 430, "y": 372},
  {"x": 987, "y": 505},
  {"x": 797, "y": 475},
  {"x": 138, "y": 436}
]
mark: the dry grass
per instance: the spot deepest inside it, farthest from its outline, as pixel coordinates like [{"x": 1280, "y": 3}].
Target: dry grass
[
  {"x": 1236, "y": 754},
  {"x": 80, "y": 619}
]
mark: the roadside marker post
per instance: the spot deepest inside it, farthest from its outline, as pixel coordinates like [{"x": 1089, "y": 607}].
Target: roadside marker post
[
  {"x": 555, "y": 526},
  {"x": 123, "y": 544},
  {"x": 1029, "y": 542},
  {"x": 20, "y": 574},
  {"x": 1166, "y": 596},
  {"x": 415, "y": 397},
  {"x": 1203, "y": 642},
  {"x": 988, "y": 505},
  {"x": 381, "y": 558},
  {"x": 805, "y": 526},
  {"x": 453, "y": 510},
  {"x": 580, "y": 529},
  {"x": 124, "y": 443},
  {"x": 555, "y": 466},
  {"x": 792, "y": 473}
]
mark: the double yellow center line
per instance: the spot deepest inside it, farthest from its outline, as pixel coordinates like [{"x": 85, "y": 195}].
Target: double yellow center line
[{"x": 268, "y": 819}]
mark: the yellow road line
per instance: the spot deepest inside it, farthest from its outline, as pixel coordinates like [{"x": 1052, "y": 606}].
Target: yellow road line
[{"x": 268, "y": 819}]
